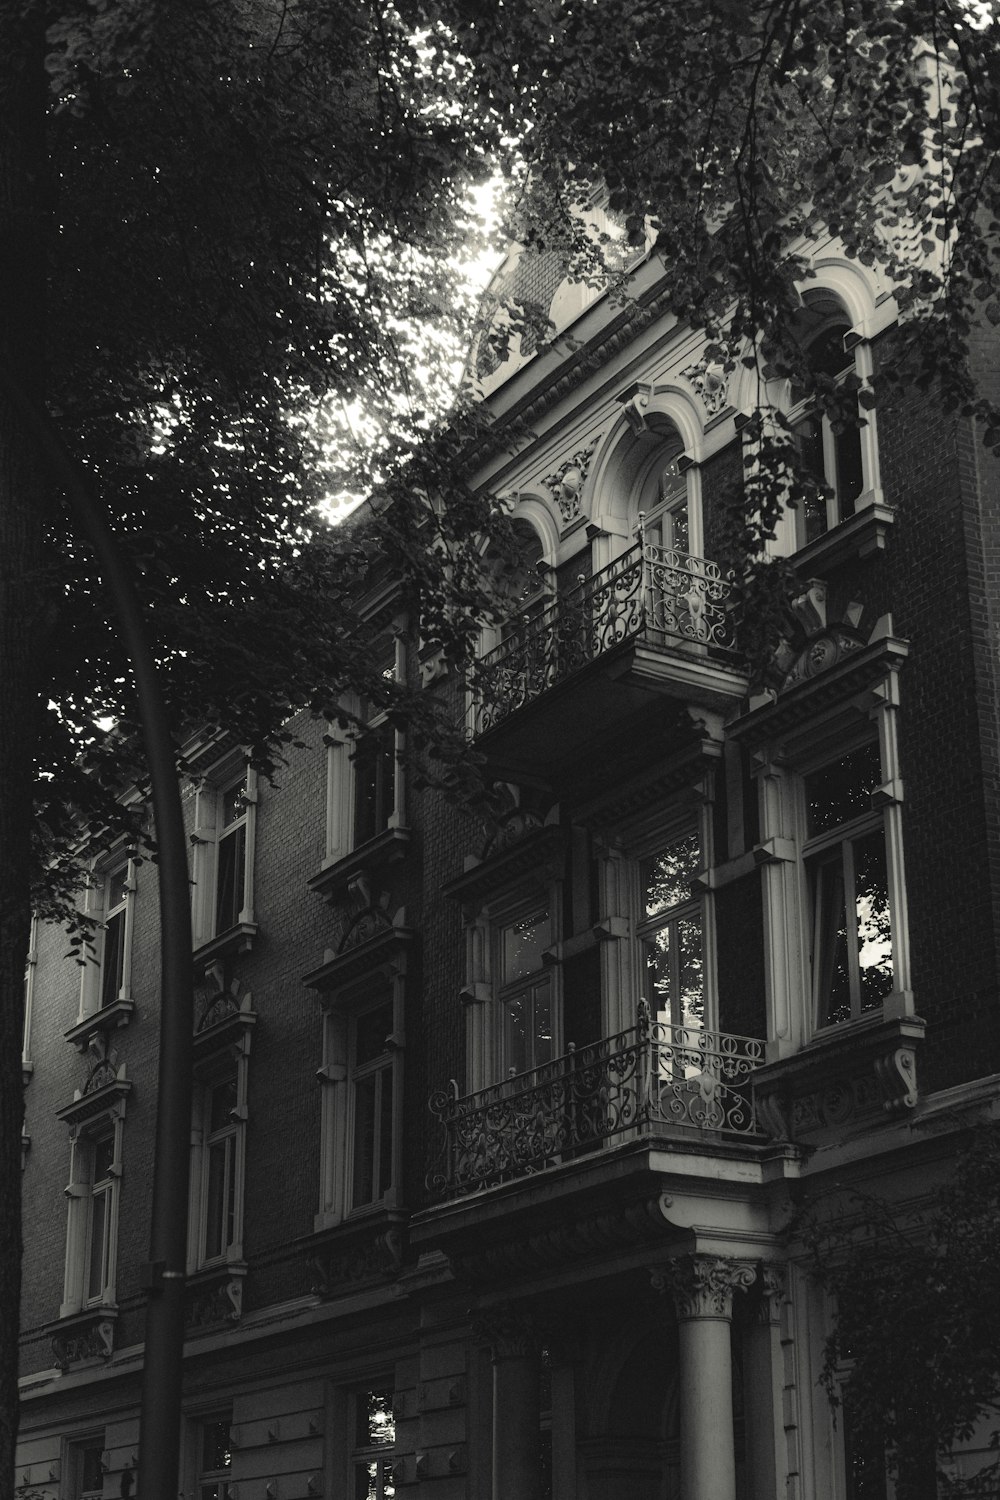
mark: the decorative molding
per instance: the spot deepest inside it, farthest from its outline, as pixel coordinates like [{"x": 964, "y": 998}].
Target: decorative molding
[
  {"x": 508, "y": 1332},
  {"x": 565, "y": 484},
  {"x": 771, "y": 1293},
  {"x": 710, "y": 379},
  {"x": 849, "y": 1078},
  {"x": 382, "y": 954},
  {"x": 88, "y": 1033},
  {"x": 86, "y": 1337},
  {"x": 354, "y": 1253},
  {"x": 368, "y": 862},
  {"x": 215, "y": 1297},
  {"x": 702, "y": 1286},
  {"x": 537, "y": 854},
  {"x": 104, "y": 1092}
]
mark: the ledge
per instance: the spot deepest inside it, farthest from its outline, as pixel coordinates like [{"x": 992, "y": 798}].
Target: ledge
[
  {"x": 87, "y": 1336},
  {"x": 333, "y": 882},
  {"x": 214, "y": 1296},
  {"x": 537, "y": 856},
  {"x": 859, "y": 536},
  {"x": 238, "y": 939},
  {"x": 105, "y": 1091},
  {"x": 370, "y": 1247},
  {"x": 380, "y": 954},
  {"x": 108, "y": 1018},
  {"x": 848, "y": 1078}
]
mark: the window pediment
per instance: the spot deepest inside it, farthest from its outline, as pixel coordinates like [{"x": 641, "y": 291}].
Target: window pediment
[
  {"x": 104, "y": 1093},
  {"x": 371, "y": 949},
  {"x": 536, "y": 857}
]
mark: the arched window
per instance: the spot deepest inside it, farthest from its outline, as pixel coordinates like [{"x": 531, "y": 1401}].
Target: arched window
[
  {"x": 661, "y": 493},
  {"x": 834, "y": 457}
]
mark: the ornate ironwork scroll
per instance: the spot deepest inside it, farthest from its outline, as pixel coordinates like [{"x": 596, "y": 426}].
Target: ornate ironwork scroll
[
  {"x": 650, "y": 1077},
  {"x": 662, "y": 596}
]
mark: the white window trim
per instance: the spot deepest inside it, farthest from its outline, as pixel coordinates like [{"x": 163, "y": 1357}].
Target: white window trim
[
  {"x": 27, "y": 1066},
  {"x": 623, "y": 978},
  {"x": 212, "y": 1069},
  {"x": 341, "y": 743},
  {"x": 788, "y": 916},
  {"x": 79, "y": 1196},
  {"x": 95, "y": 905},
  {"x": 206, "y": 835},
  {"x": 336, "y": 1167}
]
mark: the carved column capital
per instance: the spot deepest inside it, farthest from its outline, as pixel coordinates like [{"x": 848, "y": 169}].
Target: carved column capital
[
  {"x": 702, "y": 1286},
  {"x": 509, "y": 1332}
]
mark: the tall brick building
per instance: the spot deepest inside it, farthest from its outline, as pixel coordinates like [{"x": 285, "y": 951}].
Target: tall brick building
[{"x": 497, "y": 1131}]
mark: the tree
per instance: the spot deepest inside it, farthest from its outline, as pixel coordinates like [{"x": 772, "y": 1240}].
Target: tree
[
  {"x": 222, "y": 217},
  {"x": 914, "y": 1356},
  {"x": 220, "y": 222}
]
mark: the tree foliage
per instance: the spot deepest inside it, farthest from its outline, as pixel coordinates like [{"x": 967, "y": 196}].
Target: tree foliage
[
  {"x": 234, "y": 229},
  {"x": 914, "y": 1356}
]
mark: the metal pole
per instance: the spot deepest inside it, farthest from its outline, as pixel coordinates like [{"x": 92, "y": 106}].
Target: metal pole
[{"x": 159, "y": 1432}]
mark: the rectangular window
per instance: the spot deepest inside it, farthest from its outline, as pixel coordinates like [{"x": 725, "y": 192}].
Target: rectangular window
[
  {"x": 671, "y": 932},
  {"x": 86, "y": 1467},
  {"x": 845, "y": 858},
  {"x": 374, "y": 766},
  {"x": 373, "y": 1451},
  {"x": 526, "y": 1018},
  {"x": 231, "y": 856},
  {"x": 100, "y": 1219},
  {"x": 116, "y": 896},
  {"x": 372, "y": 1108},
  {"x": 219, "y": 1168},
  {"x": 215, "y": 1459}
]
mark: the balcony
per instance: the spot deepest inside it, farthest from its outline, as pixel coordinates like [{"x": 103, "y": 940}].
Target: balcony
[
  {"x": 653, "y": 622},
  {"x": 654, "y": 1079}
]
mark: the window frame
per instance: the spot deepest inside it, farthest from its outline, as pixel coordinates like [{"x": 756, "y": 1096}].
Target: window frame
[
  {"x": 815, "y": 852},
  {"x": 352, "y": 989},
  {"x": 93, "y": 979},
  {"x": 694, "y": 905},
  {"x": 349, "y": 744},
  {"x": 106, "y": 1123},
  {"x": 202, "y": 1478},
  {"x": 521, "y": 987},
  {"x": 74, "y": 1459},
  {"x": 214, "y": 1069},
  {"x": 360, "y": 1455},
  {"x": 210, "y": 834}
]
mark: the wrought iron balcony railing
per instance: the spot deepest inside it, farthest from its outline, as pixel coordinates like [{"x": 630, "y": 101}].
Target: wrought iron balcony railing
[
  {"x": 648, "y": 1080},
  {"x": 651, "y": 592}
]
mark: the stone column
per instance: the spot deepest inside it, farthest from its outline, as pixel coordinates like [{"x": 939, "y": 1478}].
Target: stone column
[
  {"x": 514, "y": 1350},
  {"x": 702, "y": 1288},
  {"x": 762, "y": 1386}
]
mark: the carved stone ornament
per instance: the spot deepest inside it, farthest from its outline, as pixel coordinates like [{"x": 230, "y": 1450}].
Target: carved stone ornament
[
  {"x": 565, "y": 484},
  {"x": 216, "y": 1303},
  {"x": 710, "y": 379},
  {"x": 771, "y": 1289},
  {"x": 516, "y": 825},
  {"x": 376, "y": 1257},
  {"x": 509, "y": 1332},
  {"x": 86, "y": 1340},
  {"x": 702, "y": 1286}
]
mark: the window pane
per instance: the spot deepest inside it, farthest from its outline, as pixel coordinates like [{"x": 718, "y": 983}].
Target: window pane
[
  {"x": 841, "y": 791},
  {"x": 657, "y": 952},
  {"x": 850, "y": 475},
  {"x": 371, "y": 1030},
  {"x": 874, "y": 928},
  {"x": 516, "y": 1035},
  {"x": 690, "y": 981},
  {"x": 114, "y": 957},
  {"x": 522, "y": 945},
  {"x": 376, "y": 1424},
  {"x": 116, "y": 888},
  {"x": 222, "y": 1100},
  {"x": 99, "y": 1204},
  {"x": 830, "y": 950},
  {"x": 104, "y": 1155},
  {"x": 373, "y": 1480},
  {"x": 233, "y": 804},
  {"x": 667, "y": 876},
  {"x": 231, "y": 858},
  {"x": 541, "y": 1025},
  {"x": 374, "y": 783},
  {"x": 365, "y": 1100},
  {"x": 385, "y": 1133},
  {"x": 219, "y": 1208},
  {"x": 91, "y": 1472},
  {"x": 216, "y": 1454}
]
